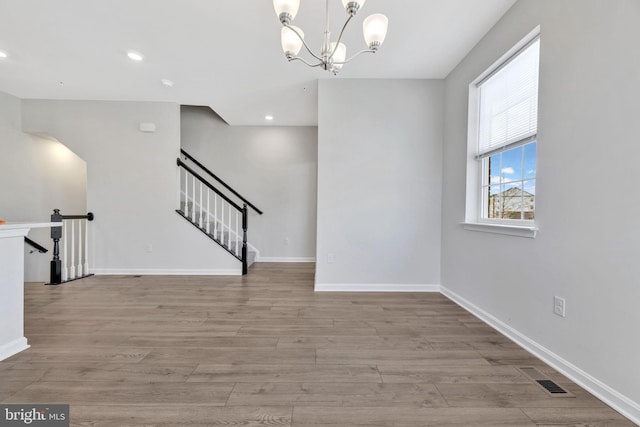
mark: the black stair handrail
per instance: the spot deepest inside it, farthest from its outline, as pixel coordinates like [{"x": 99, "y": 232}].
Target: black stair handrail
[
  {"x": 37, "y": 246},
  {"x": 224, "y": 184},
  {"x": 211, "y": 187}
]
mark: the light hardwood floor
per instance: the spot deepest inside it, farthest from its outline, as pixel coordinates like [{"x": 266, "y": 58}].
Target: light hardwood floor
[{"x": 264, "y": 349}]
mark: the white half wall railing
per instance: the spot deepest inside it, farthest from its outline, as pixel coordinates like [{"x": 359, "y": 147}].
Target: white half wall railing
[{"x": 70, "y": 247}]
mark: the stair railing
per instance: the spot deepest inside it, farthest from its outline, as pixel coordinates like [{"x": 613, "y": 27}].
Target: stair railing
[
  {"x": 213, "y": 212},
  {"x": 37, "y": 247},
  {"x": 74, "y": 262},
  {"x": 222, "y": 183}
]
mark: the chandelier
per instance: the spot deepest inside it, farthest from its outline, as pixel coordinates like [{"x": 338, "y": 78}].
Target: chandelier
[{"x": 333, "y": 55}]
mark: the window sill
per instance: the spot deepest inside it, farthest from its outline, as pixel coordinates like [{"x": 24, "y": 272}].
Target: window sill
[{"x": 510, "y": 230}]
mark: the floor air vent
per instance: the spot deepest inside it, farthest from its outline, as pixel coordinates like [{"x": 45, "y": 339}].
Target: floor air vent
[{"x": 550, "y": 387}]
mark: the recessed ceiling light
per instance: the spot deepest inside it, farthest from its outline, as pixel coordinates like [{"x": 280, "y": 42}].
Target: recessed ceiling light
[
  {"x": 269, "y": 118},
  {"x": 135, "y": 56},
  {"x": 3, "y": 54},
  {"x": 166, "y": 82}
]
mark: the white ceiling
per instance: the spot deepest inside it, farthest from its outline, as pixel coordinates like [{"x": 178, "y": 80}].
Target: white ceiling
[{"x": 222, "y": 53}]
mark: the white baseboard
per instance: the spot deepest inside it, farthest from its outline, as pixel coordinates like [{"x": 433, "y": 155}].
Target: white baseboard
[
  {"x": 285, "y": 259},
  {"x": 165, "y": 272},
  {"x": 375, "y": 287},
  {"x": 14, "y": 347},
  {"x": 613, "y": 398}
]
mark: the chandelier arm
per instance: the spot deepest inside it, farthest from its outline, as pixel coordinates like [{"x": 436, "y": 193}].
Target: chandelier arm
[
  {"x": 297, "y": 58},
  {"x": 344, "y": 27},
  {"x": 304, "y": 43},
  {"x": 356, "y": 55}
]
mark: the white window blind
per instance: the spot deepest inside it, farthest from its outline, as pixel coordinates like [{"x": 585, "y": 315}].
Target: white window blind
[{"x": 509, "y": 103}]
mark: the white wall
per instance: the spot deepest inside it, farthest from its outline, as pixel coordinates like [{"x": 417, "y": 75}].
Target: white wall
[
  {"x": 274, "y": 167},
  {"x": 587, "y": 207},
  {"x": 379, "y": 184},
  {"x": 131, "y": 185},
  {"x": 36, "y": 176}
]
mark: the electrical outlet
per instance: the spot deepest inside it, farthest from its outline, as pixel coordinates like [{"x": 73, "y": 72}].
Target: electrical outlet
[
  {"x": 286, "y": 241},
  {"x": 559, "y": 306},
  {"x": 149, "y": 247},
  {"x": 331, "y": 258}
]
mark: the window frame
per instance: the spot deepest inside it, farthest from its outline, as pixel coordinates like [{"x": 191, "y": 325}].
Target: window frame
[{"x": 474, "y": 218}]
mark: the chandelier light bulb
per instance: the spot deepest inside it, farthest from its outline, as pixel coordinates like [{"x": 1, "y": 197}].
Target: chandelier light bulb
[
  {"x": 286, "y": 10},
  {"x": 375, "y": 30},
  {"x": 291, "y": 43},
  {"x": 339, "y": 55}
]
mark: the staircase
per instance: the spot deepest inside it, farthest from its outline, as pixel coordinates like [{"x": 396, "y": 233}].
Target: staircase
[{"x": 214, "y": 213}]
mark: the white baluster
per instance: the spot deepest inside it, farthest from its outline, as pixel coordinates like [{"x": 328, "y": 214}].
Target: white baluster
[
  {"x": 72, "y": 264},
  {"x": 222, "y": 221},
  {"x": 215, "y": 214},
  {"x": 186, "y": 194},
  {"x": 201, "y": 207},
  {"x": 229, "y": 229},
  {"x": 65, "y": 270},
  {"x": 179, "y": 186},
  {"x": 80, "y": 252},
  {"x": 193, "y": 198},
  {"x": 208, "y": 214},
  {"x": 236, "y": 236},
  {"x": 86, "y": 247}
]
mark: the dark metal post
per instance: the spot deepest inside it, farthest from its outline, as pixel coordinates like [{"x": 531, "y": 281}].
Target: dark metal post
[
  {"x": 55, "y": 277},
  {"x": 244, "y": 239}
]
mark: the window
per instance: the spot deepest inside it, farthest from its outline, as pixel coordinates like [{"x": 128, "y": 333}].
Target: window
[{"x": 503, "y": 138}]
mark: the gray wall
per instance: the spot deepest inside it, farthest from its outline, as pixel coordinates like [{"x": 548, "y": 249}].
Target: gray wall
[
  {"x": 131, "y": 185},
  {"x": 273, "y": 167},
  {"x": 587, "y": 206},
  {"x": 379, "y": 183},
  {"x": 37, "y": 175}
]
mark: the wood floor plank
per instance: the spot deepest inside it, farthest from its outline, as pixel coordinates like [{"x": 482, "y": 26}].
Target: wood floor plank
[
  {"x": 104, "y": 354},
  {"x": 401, "y": 417},
  {"x": 354, "y": 343},
  {"x": 486, "y": 374},
  {"x": 134, "y": 393},
  {"x": 305, "y": 331},
  {"x": 265, "y": 349},
  {"x": 337, "y": 394},
  {"x": 285, "y": 373},
  {"x": 395, "y": 357},
  {"x": 231, "y": 356},
  {"x": 178, "y": 415},
  {"x": 196, "y": 339},
  {"x": 123, "y": 372}
]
